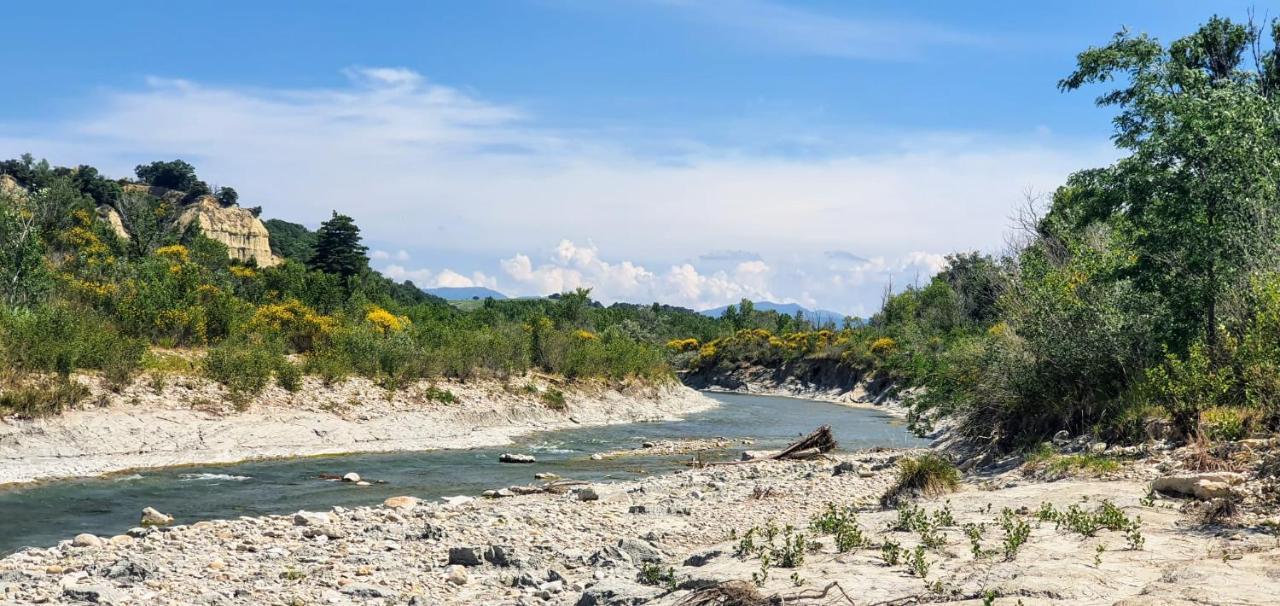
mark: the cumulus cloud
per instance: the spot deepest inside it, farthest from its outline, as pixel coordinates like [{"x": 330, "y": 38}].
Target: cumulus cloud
[{"x": 417, "y": 161}]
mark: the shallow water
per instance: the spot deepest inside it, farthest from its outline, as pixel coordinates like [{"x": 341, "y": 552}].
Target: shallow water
[{"x": 44, "y": 514}]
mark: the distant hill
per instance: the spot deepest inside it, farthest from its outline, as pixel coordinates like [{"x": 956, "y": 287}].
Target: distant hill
[
  {"x": 817, "y": 316},
  {"x": 465, "y": 293}
]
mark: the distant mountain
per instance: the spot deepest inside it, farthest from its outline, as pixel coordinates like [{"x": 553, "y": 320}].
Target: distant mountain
[
  {"x": 464, "y": 293},
  {"x": 818, "y": 316}
]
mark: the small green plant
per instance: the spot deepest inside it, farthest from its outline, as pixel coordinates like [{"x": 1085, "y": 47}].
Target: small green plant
[
  {"x": 655, "y": 574},
  {"x": 1134, "y": 535},
  {"x": 974, "y": 532},
  {"x": 910, "y": 518},
  {"x": 554, "y": 399},
  {"x": 437, "y": 394},
  {"x": 794, "y": 546},
  {"x": 943, "y": 517},
  {"x": 42, "y": 400},
  {"x": 762, "y": 577},
  {"x": 843, "y": 523},
  {"x": 1016, "y": 533},
  {"x": 989, "y": 597},
  {"x": 891, "y": 553},
  {"x": 293, "y": 574},
  {"x": 1097, "y": 554},
  {"x": 797, "y": 580},
  {"x": 1149, "y": 500},
  {"x": 916, "y": 562}
]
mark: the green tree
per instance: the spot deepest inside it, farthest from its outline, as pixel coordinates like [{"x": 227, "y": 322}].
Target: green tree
[
  {"x": 174, "y": 174},
  {"x": 227, "y": 196},
  {"x": 23, "y": 277},
  {"x": 1198, "y": 194},
  {"x": 338, "y": 248}
]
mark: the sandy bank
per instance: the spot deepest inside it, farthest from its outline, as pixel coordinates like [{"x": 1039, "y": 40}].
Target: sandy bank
[{"x": 186, "y": 421}]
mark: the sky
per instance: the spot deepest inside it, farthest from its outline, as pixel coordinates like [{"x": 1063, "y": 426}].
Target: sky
[{"x": 689, "y": 152}]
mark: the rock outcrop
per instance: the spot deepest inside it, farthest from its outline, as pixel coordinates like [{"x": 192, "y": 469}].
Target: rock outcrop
[
  {"x": 243, "y": 233},
  {"x": 111, "y": 217}
]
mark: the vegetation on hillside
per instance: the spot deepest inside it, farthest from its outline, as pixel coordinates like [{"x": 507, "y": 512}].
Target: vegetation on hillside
[{"x": 1146, "y": 292}]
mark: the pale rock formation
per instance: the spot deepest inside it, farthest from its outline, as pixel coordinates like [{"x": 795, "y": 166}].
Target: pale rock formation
[{"x": 244, "y": 234}]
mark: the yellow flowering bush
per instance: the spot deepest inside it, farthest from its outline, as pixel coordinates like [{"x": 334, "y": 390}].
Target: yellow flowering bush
[
  {"x": 682, "y": 345},
  {"x": 585, "y": 335},
  {"x": 300, "y": 324},
  {"x": 385, "y": 321},
  {"x": 241, "y": 271},
  {"x": 883, "y": 346}
]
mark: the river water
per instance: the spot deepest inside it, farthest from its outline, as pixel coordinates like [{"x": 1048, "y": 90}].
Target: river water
[{"x": 43, "y": 514}]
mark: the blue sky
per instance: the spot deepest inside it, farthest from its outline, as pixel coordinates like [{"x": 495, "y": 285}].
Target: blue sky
[{"x": 629, "y": 146}]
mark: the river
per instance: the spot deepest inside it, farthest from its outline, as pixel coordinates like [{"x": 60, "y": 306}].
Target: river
[{"x": 42, "y": 514}]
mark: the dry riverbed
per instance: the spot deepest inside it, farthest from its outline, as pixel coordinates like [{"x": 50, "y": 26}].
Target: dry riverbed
[
  {"x": 593, "y": 545},
  {"x": 187, "y": 420}
]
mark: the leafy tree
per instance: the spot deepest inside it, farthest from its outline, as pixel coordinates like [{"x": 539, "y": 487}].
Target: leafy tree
[
  {"x": 22, "y": 271},
  {"x": 174, "y": 174},
  {"x": 227, "y": 196},
  {"x": 148, "y": 220},
  {"x": 338, "y": 248},
  {"x": 1199, "y": 192}
]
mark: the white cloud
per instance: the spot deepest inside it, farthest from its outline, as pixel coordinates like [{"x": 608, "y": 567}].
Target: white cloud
[
  {"x": 382, "y": 255},
  {"x": 414, "y": 161}
]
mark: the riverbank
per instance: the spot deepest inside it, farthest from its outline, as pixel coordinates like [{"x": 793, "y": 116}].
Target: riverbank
[
  {"x": 825, "y": 383},
  {"x": 188, "y": 420},
  {"x": 595, "y": 544}
]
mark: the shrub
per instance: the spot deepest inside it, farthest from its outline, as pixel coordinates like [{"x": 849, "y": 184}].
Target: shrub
[
  {"x": 554, "y": 399},
  {"x": 244, "y": 368},
  {"x": 1226, "y": 423},
  {"x": 928, "y": 474},
  {"x": 42, "y": 400},
  {"x": 289, "y": 376},
  {"x": 62, "y": 340}
]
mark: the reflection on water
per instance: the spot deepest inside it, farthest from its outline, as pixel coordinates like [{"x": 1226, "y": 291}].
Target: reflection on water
[{"x": 47, "y": 513}]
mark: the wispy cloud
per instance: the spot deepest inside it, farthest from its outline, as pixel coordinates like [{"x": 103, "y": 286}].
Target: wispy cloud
[
  {"x": 804, "y": 31},
  {"x": 424, "y": 166}
]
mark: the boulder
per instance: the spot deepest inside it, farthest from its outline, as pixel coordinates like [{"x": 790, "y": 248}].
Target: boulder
[
  {"x": 516, "y": 458},
  {"x": 311, "y": 518},
  {"x": 1204, "y": 486},
  {"x": 401, "y": 502},
  {"x": 352, "y": 477},
  {"x": 456, "y": 574},
  {"x": 151, "y": 517},
  {"x": 93, "y": 594},
  {"x": 639, "y": 551},
  {"x": 86, "y": 540},
  {"x": 501, "y": 555},
  {"x": 588, "y": 493},
  {"x": 618, "y": 592},
  {"x": 465, "y": 556}
]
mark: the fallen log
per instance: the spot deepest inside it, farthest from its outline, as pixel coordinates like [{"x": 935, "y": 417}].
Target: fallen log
[{"x": 817, "y": 443}]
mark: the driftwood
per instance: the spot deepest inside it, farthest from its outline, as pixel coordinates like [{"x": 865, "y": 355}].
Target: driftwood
[
  {"x": 817, "y": 443},
  {"x": 741, "y": 593}
]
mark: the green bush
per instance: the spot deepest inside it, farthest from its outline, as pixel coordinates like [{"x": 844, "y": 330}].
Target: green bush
[
  {"x": 554, "y": 399},
  {"x": 42, "y": 400},
  {"x": 63, "y": 340},
  {"x": 289, "y": 376},
  {"x": 928, "y": 474},
  {"x": 244, "y": 368}
]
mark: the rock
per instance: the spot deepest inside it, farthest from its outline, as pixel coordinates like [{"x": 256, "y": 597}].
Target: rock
[
  {"x": 244, "y": 234},
  {"x": 357, "y": 590},
  {"x": 128, "y": 568},
  {"x": 609, "y": 555},
  {"x": 865, "y": 471},
  {"x": 1204, "y": 486},
  {"x": 545, "y": 475},
  {"x": 639, "y": 551},
  {"x": 465, "y": 556},
  {"x": 457, "y": 501},
  {"x": 842, "y": 468},
  {"x": 516, "y": 458},
  {"x": 1062, "y": 438},
  {"x": 597, "y": 457},
  {"x": 93, "y": 594},
  {"x": 1098, "y": 447},
  {"x": 456, "y": 574},
  {"x": 217, "y": 565},
  {"x": 752, "y": 455},
  {"x": 151, "y": 517},
  {"x": 364, "y": 483},
  {"x": 701, "y": 559},
  {"x": 588, "y": 493},
  {"x": 638, "y": 509},
  {"x": 617, "y": 592},
  {"x": 352, "y": 477},
  {"x": 648, "y": 445},
  {"x": 327, "y": 531},
  {"x": 121, "y": 540},
  {"x": 501, "y": 555},
  {"x": 86, "y": 540},
  {"x": 401, "y": 502},
  {"x": 311, "y": 518}
]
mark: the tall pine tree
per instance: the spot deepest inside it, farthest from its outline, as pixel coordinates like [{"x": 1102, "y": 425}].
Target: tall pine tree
[{"x": 338, "y": 248}]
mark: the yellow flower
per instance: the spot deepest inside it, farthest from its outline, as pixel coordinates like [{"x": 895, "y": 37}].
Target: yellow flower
[
  {"x": 883, "y": 346},
  {"x": 585, "y": 335},
  {"x": 240, "y": 271},
  {"x": 174, "y": 252},
  {"x": 384, "y": 320}
]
